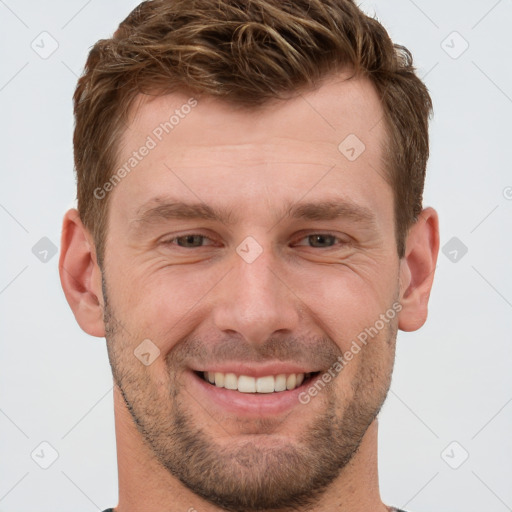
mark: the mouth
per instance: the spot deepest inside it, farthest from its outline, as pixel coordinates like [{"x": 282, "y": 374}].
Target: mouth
[
  {"x": 249, "y": 392},
  {"x": 267, "y": 384}
]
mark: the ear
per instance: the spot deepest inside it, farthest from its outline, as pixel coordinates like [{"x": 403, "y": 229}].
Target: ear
[
  {"x": 80, "y": 275},
  {"x": 417, "y": 270}
]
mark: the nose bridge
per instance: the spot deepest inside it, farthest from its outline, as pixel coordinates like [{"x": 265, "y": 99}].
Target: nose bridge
[{"x": 254, "y": 301}]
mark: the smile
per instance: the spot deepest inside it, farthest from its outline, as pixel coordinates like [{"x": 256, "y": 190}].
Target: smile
[{"x": 264, "y": 384}]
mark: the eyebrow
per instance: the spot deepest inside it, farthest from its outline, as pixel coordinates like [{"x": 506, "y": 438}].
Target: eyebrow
[
  {"x": 158, "y": 209},
  {"x": 331, "y": 210}
]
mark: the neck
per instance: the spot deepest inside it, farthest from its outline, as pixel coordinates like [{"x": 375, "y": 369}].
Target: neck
[{"x": 146, "y": 485}]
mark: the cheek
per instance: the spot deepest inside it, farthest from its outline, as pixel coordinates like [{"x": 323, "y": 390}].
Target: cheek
[
  {"x": 367, "y": 367},
  {"x": 345, "y": 303},
  {"x": 164, "y": 305}
]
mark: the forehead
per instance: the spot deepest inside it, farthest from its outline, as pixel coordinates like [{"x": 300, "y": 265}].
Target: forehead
[
  {"x": 202, "y": 144},
  {"x": 341, "y": 106}
]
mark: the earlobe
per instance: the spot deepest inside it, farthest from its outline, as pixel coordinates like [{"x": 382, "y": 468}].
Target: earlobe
[
  {"x": 80, "y": 275},
  {"x": 417, "y": 269}
]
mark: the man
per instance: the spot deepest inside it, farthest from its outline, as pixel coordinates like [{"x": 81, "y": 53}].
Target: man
[{"x": 249, "y": 238}]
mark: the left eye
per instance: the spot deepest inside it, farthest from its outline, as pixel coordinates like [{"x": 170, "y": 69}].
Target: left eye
[{"x": 320, "y": 240}]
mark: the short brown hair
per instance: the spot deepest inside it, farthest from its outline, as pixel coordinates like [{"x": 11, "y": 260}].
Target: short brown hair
[{"x": 246, "y": 52}]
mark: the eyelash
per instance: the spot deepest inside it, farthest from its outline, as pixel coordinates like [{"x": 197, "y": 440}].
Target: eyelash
[{"x": 172, "y": 240}]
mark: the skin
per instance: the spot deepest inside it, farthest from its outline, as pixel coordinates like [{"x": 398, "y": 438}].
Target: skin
[{"x": 302, "y": 301}]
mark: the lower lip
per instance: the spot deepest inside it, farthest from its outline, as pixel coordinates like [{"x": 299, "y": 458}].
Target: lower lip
[{"x": 249, "y": 404}]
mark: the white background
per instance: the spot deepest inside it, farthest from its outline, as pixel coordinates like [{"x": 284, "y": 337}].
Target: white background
[{"x": 452, "y": 379}]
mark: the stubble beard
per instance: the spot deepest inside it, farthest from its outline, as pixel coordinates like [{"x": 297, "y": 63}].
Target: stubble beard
[{"x": 250, "y": 476}]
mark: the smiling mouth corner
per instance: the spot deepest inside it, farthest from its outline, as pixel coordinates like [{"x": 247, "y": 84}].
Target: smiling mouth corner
[{"x": 256, "y": 385}]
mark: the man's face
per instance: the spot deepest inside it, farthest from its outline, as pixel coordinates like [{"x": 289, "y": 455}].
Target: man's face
[{"x": 277, "y": 286}]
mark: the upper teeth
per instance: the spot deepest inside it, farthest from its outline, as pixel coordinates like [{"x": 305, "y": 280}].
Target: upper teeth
[{"x": 247, "y": 384}]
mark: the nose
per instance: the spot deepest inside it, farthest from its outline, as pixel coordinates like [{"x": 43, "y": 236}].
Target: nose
[{"x": 256, "y": 300}]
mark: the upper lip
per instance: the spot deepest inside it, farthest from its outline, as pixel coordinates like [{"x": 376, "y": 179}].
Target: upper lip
[{"x": 254, "y": 370}]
